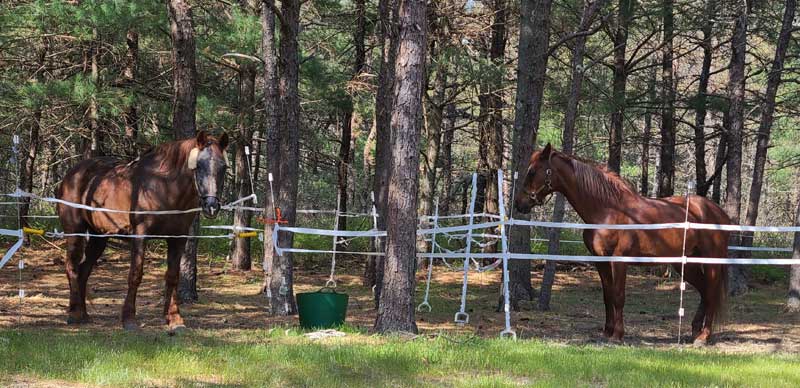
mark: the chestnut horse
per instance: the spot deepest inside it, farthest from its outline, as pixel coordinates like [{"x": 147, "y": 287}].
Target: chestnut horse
[
  {"x": 174, "y": 176},
  {"x": 602, "y": 197}
]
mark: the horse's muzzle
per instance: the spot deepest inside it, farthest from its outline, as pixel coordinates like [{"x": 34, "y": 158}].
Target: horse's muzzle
[{"x": 210, "y": 206}]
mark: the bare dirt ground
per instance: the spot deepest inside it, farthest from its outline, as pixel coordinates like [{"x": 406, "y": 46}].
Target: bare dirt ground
[{"x": 231, "y": 301}]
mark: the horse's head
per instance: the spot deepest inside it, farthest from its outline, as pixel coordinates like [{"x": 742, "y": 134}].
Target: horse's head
[
  {"x": 208, "y": 163},
  {"x": 539, "y": 181}
]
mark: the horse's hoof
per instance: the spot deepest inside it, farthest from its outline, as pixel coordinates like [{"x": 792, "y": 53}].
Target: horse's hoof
[
  {"x": 131, "y": 326},
  {"x": 177, "y": 330}
]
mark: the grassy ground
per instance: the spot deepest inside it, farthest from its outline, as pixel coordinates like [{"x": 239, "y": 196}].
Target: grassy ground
[
  {"x": 281, "y": 358},
  {"x": 232, "y": 341}
]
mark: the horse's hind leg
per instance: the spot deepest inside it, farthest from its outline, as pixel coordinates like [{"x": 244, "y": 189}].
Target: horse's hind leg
[
  {"x": 93, "y": 251},
  {"x": 714, "y": 298},
  {"x": 695, "y": 277},
  {"x": 172, "y": 315},
  {"x": 134, "y": 279},
  {"x": 77, "y": 309}
]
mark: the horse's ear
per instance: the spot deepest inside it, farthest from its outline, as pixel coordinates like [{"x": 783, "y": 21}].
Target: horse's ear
[
  {"x": 223, "y": 141},
  {"x": 547, "y": 150},
  {"x": 201, "y": 139}
]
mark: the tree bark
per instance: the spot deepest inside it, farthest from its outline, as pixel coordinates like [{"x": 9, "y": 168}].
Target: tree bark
[
  {"x": 590, "y": 10},
  {"x": 666, "y": 178},
  {"x": 343, "y": 163},
  {"x": 647, "y": 134},
  {"x": 130, "y": 116},
  {"x": 387, "y": 31},
  {"x": 28, "y": 161},
  {"x": 720, "y": 158},
  {"x": 280, "y": 276},
  {"x": 272, "y": 108},
  {"x": 396, "y": 308},
  {"x": 92, "y": 144},
  {"x": 625, "y": 13},
  {"x": 184, "y": 100},
  {"x": 700, "y": 101},
  {"x": 531, "y": 71},
  {"x": 767, "y": 116},
  {"x": 446, "y": 156},
  {"x": 736, "y": 90},
  {"x": 793, "y": 301},
  {"x": 491, "y": 101},
  {"x": 240, "y": 247}
]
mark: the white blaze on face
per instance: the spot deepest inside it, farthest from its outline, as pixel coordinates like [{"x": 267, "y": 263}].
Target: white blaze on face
[{"x": 192, "y": 161}]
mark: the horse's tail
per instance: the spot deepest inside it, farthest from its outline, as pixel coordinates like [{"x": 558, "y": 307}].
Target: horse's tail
[{"x": 722, "y": 302}]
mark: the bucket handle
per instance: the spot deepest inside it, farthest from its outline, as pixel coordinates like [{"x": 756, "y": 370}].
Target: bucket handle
[{"x": 327, "y": 290}]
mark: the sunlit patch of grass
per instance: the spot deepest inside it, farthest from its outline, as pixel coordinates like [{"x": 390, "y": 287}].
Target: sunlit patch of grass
[{"x": 285, "y": 357}]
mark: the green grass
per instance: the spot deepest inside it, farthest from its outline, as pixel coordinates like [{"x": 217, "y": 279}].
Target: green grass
[{"x": 284, "y": 358}]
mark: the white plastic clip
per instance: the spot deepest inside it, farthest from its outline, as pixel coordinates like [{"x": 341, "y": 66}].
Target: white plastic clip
[
  {"x": 21, "y": 294},
  {"x": 683, "y": 286},
  {"x": 516, "y": 175},
  {"x": 16, "y": 139},
  {"x": 270, "y": 177},
  {"x": 680, "y": 312},
  {"x": 247, "y": 150},
  {"x": 461, "y": 318}
]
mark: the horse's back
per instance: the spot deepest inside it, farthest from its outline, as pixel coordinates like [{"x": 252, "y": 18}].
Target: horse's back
[{"x": 85, "y": 183}]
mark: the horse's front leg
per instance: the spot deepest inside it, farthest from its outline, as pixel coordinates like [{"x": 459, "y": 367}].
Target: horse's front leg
[
  {"x": 76, "y": 312},
  {"x": 619, "y": 273},
  {"x": 172, "y": 315},
  {"x": 134, "y": 280},
  {"x": 604, "y": 269}
]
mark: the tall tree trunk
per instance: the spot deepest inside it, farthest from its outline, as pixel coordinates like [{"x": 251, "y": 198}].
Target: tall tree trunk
[
  {"x": 736, "y": 90},
  {"x": 184, "y": 101},
  {"x": 793, "y": 301},
  {"x": 767, "y": 113},
  {"x": 343, "y": 163},
  {"x": 647, "y": 134},
  {"x": 433, "y": 135},
  {"x": 272, "y": 152},
  {"x": 92, "y": 144},
  {"x": 590, "y": 10},
  {"x": 491, "y": 126},
  {"x": 240, "y": 247},
  {"x": 703, "y": 184},
  {"x": 387, "y": 31},
  {"x": 666, "y": 178},
  {"x": 533, "y": 47},
  {"x": 34, "y": 144},
  {"x": 130, "y": 116},
  {"x": 396, "y": 308},
  {"x": 446, "y": 157},
  {"x": 625, "y": 13},
  {"x": 720, "y": 158},
  {"x": 281, "y": 282}
]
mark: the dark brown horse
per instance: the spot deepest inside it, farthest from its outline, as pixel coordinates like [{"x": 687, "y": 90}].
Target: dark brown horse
[
  {"x": 602, "y": 197},
  {"x": 175, "y": 176}
]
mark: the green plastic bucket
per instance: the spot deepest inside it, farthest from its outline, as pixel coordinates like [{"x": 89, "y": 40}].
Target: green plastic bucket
[{"x": 323, "y": 309}]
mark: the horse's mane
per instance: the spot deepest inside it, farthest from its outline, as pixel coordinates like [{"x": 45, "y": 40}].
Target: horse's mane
[
  {"x": 597, "y": 181},
  {"x": 172, "y": 151}
]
